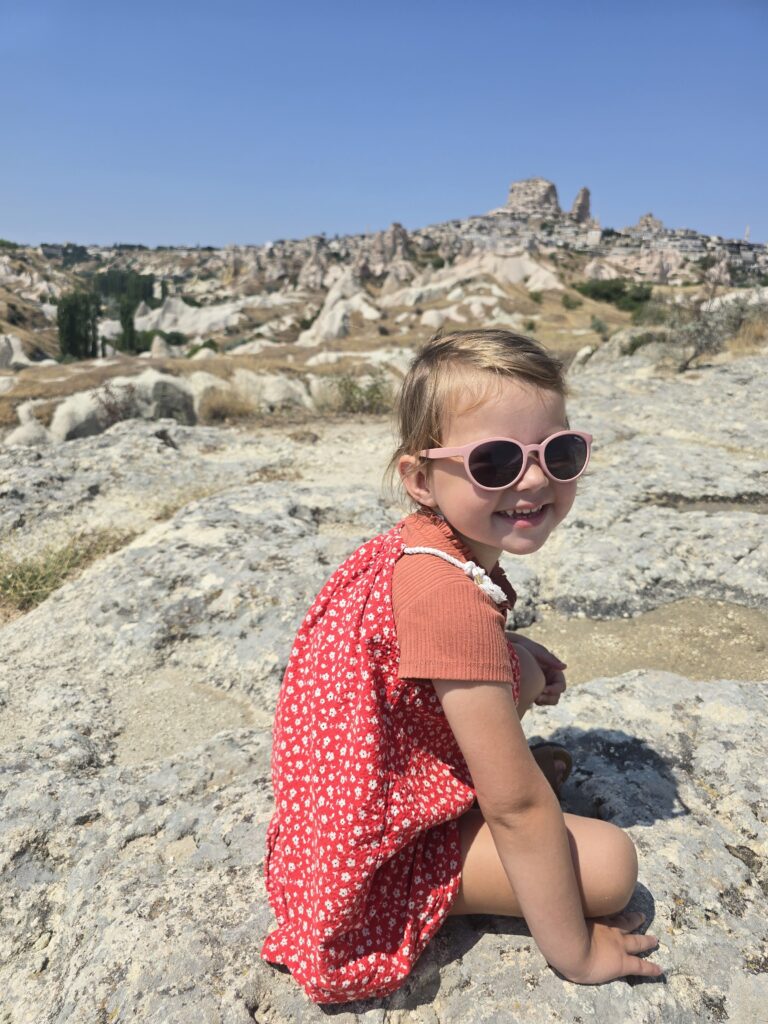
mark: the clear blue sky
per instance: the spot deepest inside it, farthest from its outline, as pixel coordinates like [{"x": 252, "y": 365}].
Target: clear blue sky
[{"x": 244, "y": 121}]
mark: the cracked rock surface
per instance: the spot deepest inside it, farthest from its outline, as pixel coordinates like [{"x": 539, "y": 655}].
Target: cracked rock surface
[{"x": 135, "y": 710}]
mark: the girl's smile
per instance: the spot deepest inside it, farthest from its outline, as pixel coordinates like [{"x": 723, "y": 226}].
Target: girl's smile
[{"x": 517, "y": 519}]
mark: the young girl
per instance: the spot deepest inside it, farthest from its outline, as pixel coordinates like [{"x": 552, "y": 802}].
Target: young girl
[{"x": 405, "y": 790}]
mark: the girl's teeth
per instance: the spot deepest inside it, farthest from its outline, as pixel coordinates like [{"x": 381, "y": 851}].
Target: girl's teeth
[{"x": 528, "y": 512}]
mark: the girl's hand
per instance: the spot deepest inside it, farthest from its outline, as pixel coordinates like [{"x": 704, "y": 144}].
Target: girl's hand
[
  {"x": 550, "y": 665},
  {"x": 614, "y": 950}
]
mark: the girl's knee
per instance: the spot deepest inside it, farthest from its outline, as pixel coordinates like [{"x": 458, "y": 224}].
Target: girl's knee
[
  {"x": 606, "y": 863},
  {"x": 620, "y": 862}
]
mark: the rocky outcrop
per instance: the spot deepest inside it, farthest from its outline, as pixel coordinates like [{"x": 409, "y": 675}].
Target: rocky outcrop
[
  {"x": 580, "y": 211},
  {"x": 135, "y": 707},
  {"x": 150, "y": 395},
  {"x": 176, "y": 315},
  {"x": 344, "y": 298},
  {"x": 12, "y": 356},
  {"x": 647, "y": 224},
  {"x": 392, "y": 245},
  {"x": 533, "y": 197}
]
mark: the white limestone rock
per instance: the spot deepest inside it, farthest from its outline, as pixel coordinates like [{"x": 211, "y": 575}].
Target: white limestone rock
[
  {"x": 269, "y": 391},
  {"x": 176, "y": 315},
  {"x": 434, "y": 318},
  {"x": 12, "y": 355},
  {"x": 160, "y": 349},
  {"x": 30, "y": 432},
  {"x": 149, "y": 395},
  {"x": 80, "y": 415},
  {"x": 600, "y": 270},
  {"x": 140, "y": 846},
  {"x": 639, "y": 349},
  {"x": 750, "y": 296}
]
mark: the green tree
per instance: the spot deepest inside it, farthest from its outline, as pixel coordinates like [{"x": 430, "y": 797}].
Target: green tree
[
  {"x": 77, "y": 318},
  {"x": 127, "y": 308},
  {"x": 125, "y": 283}
]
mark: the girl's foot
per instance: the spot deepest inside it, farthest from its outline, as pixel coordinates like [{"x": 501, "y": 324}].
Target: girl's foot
[{"x": 555, "y": 763}]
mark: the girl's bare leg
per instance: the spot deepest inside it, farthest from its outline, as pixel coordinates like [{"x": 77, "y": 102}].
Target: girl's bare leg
[{"x": 604, "y": 858}]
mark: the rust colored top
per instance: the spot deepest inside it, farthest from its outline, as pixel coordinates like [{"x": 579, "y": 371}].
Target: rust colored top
[{"x": 447, "y": 628}]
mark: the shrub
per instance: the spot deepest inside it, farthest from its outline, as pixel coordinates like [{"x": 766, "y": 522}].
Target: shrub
[
  {"x": 619, "y": 292},
  {"x": 5, "y": 243},
  {"x": 428, "y": 258},
  {"x": 640, "y": 341},
  {"x": 355, "y": 396},
  {"x": 701, "y": 332},
  {"x": 116, "y": 404},
  {"x": 529, "y": 326},
  {"x": 174, "y": 337},
  {"x": 306, "y": 321},
  {"x": 220, "y": 405},
  {"x": 73, "y": 254},
  {"x": 536, "y": 296},
  {"x": 13, "y": 314},
  {"x": 653, "y": 312},
  {"x": 571, "y": 302},
  {"x": 599, "y": 327},
  {"x": 26, "y": 582},
  {"x": 209, "y": 343},
  {"x": 706, "y": 262}
]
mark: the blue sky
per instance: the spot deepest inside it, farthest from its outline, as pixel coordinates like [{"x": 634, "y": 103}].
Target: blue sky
[{"x": 212, "y": 123}]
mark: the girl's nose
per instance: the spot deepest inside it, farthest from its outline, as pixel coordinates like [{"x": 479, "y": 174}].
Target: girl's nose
[{"x": 533, "y": 474}]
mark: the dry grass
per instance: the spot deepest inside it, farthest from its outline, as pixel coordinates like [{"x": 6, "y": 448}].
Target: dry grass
[
  {"x": 53, "y": 383},
  {"x": 752, "y": 337},
  {"x": 179, "y": 500},
  {"x": 219, "y": 406},
  {"x": 26, "y": 582}
]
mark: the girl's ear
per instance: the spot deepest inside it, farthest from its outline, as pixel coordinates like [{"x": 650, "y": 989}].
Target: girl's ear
[{"x": 416, "y": 480}]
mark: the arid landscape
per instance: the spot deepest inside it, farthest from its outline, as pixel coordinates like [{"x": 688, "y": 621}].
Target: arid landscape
[{"x": 170, "y": 504}]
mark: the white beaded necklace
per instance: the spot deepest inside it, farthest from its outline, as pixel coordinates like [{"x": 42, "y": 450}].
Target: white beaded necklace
[{"x": 472, "y": 569}]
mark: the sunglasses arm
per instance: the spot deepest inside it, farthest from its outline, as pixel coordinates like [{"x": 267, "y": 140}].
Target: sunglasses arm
[{"x": 443, "y": 453}]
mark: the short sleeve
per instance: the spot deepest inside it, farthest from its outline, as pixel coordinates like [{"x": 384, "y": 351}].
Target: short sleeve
[{"x": 447, "y": 628}]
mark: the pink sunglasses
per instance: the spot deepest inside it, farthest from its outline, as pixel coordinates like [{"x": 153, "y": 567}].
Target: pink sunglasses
[{"x": 499, "y": 462}]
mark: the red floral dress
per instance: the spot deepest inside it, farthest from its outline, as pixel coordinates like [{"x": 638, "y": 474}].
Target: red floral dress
[{"x": 363, "y": 857}]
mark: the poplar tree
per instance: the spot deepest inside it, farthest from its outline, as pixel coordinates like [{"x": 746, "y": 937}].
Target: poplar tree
[{"x": 77, "y": 319}]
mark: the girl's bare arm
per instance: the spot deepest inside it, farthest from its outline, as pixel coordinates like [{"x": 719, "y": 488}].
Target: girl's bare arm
[{"x": 530, "y": 836}]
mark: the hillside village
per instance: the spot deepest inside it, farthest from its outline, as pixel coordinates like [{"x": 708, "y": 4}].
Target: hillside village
[{"x": 290, "y": 316}]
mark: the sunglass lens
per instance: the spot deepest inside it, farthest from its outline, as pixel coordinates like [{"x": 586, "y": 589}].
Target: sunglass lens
[
  {"x": 566, "y": 456},
  {"x": 496, "y": 463}
]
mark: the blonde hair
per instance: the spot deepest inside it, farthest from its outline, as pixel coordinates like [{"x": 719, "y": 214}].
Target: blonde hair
[{"x": 470, "y": 360}]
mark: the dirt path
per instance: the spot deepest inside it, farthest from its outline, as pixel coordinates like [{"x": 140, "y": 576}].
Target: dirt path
[{"x": 694, "y": 638}]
